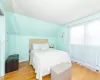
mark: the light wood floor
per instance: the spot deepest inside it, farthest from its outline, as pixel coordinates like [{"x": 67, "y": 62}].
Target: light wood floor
[{"x": 26, "y": 72}]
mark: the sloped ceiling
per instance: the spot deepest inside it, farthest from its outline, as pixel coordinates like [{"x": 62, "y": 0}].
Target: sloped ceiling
[
  {"x": 55, "y": 11},
  {"x": 27, "y": 26}
]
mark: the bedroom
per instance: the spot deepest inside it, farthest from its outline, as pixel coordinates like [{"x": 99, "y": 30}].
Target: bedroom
[{"x": 69, "y": 26}]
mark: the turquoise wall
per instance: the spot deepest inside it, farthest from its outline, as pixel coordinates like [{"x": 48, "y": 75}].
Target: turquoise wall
[
  {"x": 20, "y": 45},
  {"x": 63, "y": 42},
  {"x": 6, "y": 26},
  {"x": 21, "y": 28},
  {"x": 27, "y": 26},
  {"x": 38, "y": 28}
]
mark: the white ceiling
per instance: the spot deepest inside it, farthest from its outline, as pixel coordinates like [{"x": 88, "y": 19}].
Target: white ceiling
[{"x": 55, "y": 11}]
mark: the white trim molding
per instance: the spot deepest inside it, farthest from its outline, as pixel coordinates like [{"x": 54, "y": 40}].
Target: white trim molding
[{"x": 92, "y": 67}]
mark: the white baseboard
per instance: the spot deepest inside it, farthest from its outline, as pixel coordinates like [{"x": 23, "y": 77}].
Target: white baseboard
[
  {"x": 92, "y": 67},
  {"x": 23, "y": 60}
]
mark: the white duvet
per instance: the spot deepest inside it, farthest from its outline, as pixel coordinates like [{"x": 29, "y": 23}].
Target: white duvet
[{"x": 43, "y": 60}]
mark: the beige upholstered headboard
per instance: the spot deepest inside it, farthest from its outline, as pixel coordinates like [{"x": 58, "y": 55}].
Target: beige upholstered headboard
[{"x": 36, "y": 41}]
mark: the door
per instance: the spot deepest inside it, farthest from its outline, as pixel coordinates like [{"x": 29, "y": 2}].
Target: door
[{"x": 2, "y": 46}]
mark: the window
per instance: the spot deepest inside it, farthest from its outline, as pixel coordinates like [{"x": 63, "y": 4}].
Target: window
[
  {"x": 93, "y": 33},
  {"x": 77, "y": 34}
]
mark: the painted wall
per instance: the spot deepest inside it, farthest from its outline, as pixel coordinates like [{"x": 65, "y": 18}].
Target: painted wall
[
  {"x": 21, "y": 29},
  {"x": 27, "y": 26},
  {"x": 6, "y": 26},
  {"x": 63, "y": 42},
  {"x": 20, "y": 45}
]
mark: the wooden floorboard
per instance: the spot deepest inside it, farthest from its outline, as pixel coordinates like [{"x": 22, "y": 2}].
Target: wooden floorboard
[{"x": 26, "y": 72}]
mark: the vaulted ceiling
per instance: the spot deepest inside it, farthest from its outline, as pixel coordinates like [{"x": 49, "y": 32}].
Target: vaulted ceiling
[{"x": 55, "y": 11}]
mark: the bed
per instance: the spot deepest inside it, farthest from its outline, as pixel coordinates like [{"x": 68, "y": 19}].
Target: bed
[{"x": 43, "y": 60}]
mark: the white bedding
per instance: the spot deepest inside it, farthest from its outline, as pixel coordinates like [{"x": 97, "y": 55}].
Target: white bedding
[{"x": 43, "y": 60}]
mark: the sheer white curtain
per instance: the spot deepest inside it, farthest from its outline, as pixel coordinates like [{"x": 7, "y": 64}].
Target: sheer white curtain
[
  {"x": 77, "y": 34},
  {"x": 85, "y": 43},
  {"x": 93, "y": 33},
  {"x": 76, "y": 41},
  {"x": 92, "y": 42}
]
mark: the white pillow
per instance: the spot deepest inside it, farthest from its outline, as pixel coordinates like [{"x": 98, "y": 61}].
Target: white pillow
[
  {"x": 44, "y": 46},
  {"x": 36, "y": 46}
]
